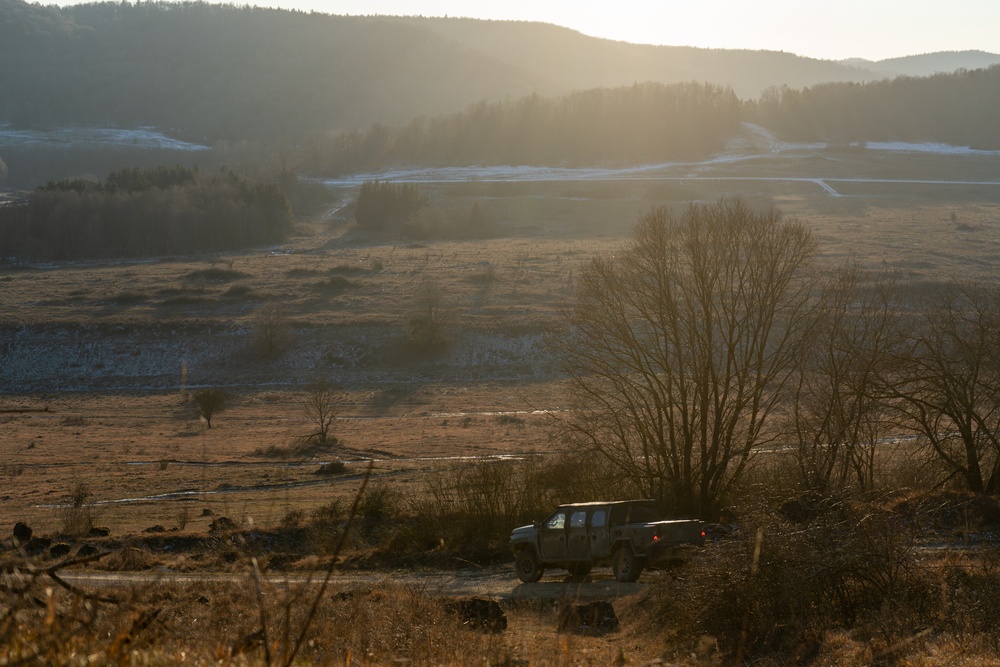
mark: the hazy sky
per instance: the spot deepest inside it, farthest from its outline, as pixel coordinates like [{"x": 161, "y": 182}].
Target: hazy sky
[{"x": 831, "y": 29}]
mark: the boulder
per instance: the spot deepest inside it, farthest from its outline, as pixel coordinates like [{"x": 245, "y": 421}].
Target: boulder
[
  {"x": 479, "y": 613},
  {"x": 59, "y": 550},
  {"x": 222, "y": 525},
  {"x": 22, "y": 533}
]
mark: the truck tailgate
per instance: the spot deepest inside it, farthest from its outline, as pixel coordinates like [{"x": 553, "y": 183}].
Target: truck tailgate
[{"x": 681, "y": 531}]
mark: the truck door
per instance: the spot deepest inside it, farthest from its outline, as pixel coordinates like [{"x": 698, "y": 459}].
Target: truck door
[
  {"x": 554, "y": 536},
  {"x": 600, "y": 545},
  {"x": 577, "y": 536}
]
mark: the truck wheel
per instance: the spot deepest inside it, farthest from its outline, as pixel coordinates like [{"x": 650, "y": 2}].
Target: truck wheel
[
  {"x": 579, "y": 570},
  {"x": 626, "y": 566},
  {"x": 529, "y": 570}
]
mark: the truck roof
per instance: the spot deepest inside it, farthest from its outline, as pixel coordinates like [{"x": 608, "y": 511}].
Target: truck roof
[{"x": 595, "y": 503}]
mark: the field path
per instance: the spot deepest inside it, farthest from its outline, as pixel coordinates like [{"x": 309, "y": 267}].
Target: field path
[{"x": 498, "y": 583}]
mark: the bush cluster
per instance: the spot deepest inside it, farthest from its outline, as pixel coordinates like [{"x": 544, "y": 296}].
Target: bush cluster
[
  {"x": 383, "y": 205},
  {"x": 133, "y": 213}
]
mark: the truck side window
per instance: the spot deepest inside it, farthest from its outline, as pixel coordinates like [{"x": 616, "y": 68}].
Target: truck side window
[
  {"x": 578, "y": 520},
  {"x": 599, "y": 518},
  {"x": 557, "y": 522}
]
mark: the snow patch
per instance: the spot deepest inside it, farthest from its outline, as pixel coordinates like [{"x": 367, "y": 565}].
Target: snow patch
[
  {"x": 927, "y": 147},
  {"x": 94, "y": 137}
]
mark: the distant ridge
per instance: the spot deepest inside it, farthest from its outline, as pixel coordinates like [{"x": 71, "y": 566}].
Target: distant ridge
[
  {"x": 927, "y": 64},
  {"x": 570, "y": 60},
  {"x": 208, "y": 73}
]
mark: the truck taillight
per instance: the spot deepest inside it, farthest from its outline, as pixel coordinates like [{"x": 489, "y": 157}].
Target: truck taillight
[
  {"x": 656, "y": 538},
  {"x": 703, "y": 534}
]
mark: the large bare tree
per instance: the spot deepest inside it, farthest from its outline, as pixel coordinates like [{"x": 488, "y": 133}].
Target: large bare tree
[
  {"x": 838, "y": 410},
  {"x": 950, "y": 386},
  {"x": 681, "y": 345},
  {"x": 320, "y": 404}
]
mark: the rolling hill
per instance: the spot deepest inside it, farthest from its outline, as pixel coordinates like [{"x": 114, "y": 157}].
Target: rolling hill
[{"x": 209, "y": 72}]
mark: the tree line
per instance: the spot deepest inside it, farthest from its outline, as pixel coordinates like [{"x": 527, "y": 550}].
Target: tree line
[
  {"x": 135, "y": 212},
  {"x": 710, "y": 341},
  {"x": 639, "y": 123},
  {"x": 955, "y": 108},
  {"x": 215, "y": 73}
]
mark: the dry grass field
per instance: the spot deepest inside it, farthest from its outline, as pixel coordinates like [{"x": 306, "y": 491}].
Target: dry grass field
[{"x": 99, "y": 361}]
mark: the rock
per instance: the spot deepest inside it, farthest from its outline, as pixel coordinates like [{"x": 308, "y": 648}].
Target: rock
[
  {"x": 86, "y": 550},
  {"x": 479, "y": 613},
  {"x": 594, "y": 617},
  {"x": 222, "y": 525},
  {"x": 99, "y": 531},
  {"x": 207, "y": 512},
  {"x": 280, "y": 561},
  {"x": 155, "y": 529},
  {"x": 37, "y": 545},
  {"x": 59, "y": 550},
  {"x": 22, "y": 533}
]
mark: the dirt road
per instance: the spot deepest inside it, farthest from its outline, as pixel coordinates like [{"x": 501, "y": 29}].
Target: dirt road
[{"x": 499, "y": 583}]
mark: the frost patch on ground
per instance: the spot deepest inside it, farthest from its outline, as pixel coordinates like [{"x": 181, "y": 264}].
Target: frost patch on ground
[
  {"x": 90, "y": 359},
  {"x": 752, "y": 143},
  {"x": 91, "y": 137},
  {"x": 929, "y": 147}
]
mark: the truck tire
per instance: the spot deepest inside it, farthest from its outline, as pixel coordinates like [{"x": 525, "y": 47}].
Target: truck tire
[
  {"x": 579, "y": 570},
  {"x": 529, "y": 570},
  {"x": 627, "y": 567}
]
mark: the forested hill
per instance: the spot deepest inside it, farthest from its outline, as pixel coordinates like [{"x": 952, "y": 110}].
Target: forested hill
[
  {"x": 642, "y": 123},
  {"x": 208, "y": 72},
  {"x": 211, "y": 72},
  {"x": 649, "y": 123},
  {"x": 959, "y": 108}
]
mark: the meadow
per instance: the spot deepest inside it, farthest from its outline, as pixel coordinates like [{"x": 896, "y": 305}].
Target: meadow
[{"x": 101, "y": 360}]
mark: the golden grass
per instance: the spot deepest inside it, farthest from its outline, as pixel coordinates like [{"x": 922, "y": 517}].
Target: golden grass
[{"x": 132, "y": 444}]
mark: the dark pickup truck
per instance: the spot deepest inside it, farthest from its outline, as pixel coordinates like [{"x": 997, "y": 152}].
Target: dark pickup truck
[{"x": 629, "y": 535}]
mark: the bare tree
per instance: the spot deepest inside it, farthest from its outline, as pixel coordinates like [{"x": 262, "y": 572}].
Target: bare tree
[
  {"x": 838, "y": 411},
  {"x": 320, "y": 406},
  {"x": 210, "y": 402},
  {"x": 430, "y": 318},
  {"x": 681, "y": 346},
  {"x": 271, "y": 331},
  {"x": 950, "y": 385}
]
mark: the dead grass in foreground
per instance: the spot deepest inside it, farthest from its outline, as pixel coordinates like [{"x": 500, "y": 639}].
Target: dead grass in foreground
[{"x": 139, "y": 460}]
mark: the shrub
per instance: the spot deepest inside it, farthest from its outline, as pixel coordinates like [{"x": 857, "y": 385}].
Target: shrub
[
  {"x": 271, "y": 331},
  {"x": 381, "y": 501},
  {"x": 335, "y": 467},
  {"x": 78, "y": 516},
  {"x": 215, "y": 274},
  {"x": 429, "y": 323},
  {"x": 473, "y": 508},
  {"x": 384, "y": 204},
  {"x": 210, "y": 402},
  {"x": 776, "y": 584},
  {"x": 333, "y": 285}
]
